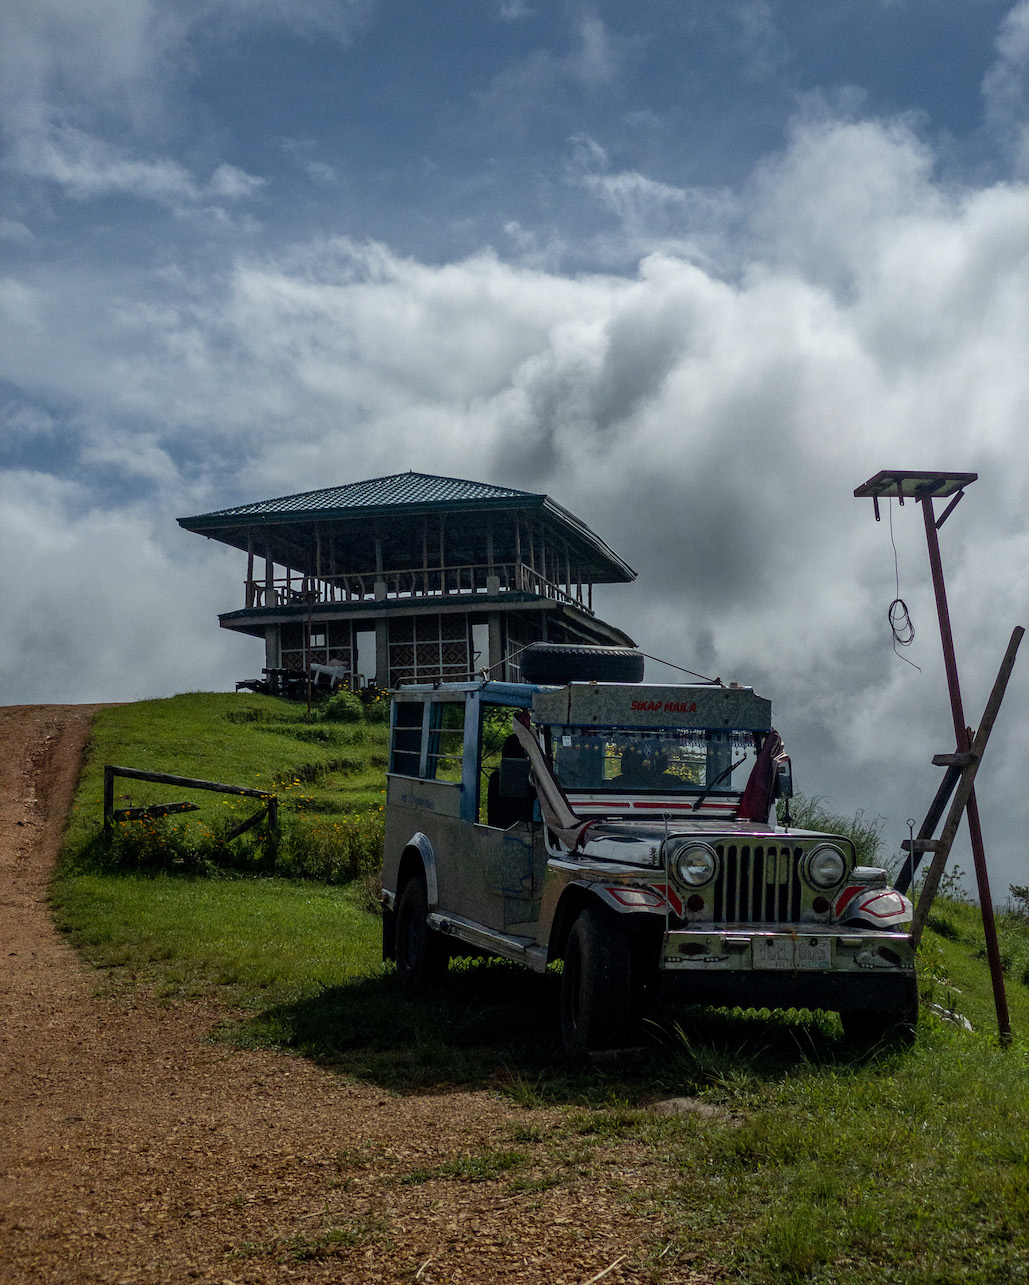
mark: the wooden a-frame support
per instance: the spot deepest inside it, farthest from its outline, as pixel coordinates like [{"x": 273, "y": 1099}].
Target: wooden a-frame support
[{"x": 959, "y": 782}]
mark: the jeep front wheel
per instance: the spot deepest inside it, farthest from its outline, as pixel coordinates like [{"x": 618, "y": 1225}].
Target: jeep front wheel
[
  {"x": 872, "y": 1026},
  {"x": 421, "y": 954},
  {"x": 596, "y": 985}
]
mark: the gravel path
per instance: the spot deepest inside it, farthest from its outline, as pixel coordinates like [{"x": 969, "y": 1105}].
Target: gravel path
[{"x": 134, "y": 1149}]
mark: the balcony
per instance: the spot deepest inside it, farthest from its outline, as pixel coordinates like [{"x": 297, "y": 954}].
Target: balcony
[{"x": 422, "y": 582}]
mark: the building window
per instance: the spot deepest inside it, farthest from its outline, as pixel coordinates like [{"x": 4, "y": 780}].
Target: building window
[
  {"x": 330, "y": 645},
  {"x": 429, "y": 649}
]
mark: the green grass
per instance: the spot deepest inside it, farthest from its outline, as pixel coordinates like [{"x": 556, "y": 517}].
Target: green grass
[
  {"x": 822, "y": 1163},
  {"x": 244, "y": 939},
  {"x": 328, "y": 776}
]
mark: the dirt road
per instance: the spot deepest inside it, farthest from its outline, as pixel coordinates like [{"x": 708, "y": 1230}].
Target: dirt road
[{"x": 134, "y": 1149}]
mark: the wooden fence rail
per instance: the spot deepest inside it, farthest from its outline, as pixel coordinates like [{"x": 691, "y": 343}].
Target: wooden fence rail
[{"x": 271, "y": 809}]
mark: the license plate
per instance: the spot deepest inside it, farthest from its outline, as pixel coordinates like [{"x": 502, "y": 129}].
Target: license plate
[{"x": 788, "y": 953}]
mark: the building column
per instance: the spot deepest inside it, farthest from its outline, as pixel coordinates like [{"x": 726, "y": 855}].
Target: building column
[
  {"x": 496, "y": 646},
  {"x": 382, "y": 653},
  {"x": 272, "y": 647}
]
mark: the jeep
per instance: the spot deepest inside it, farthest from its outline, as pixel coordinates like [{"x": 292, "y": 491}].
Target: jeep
[{"x": 629, "y": 831}]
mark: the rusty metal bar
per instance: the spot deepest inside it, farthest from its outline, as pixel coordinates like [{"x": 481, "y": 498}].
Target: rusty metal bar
[
  {"x": 949, "y": 509},
  {"x": 962, "y": 743}
]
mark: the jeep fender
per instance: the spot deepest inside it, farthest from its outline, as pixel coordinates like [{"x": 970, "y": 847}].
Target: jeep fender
[
  {"x": 875, "y": 908},
  {"x": 418, "y": 856},
  {"x": 644, "y": 908}
]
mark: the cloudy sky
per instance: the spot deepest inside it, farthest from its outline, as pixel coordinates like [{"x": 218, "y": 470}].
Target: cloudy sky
[{"x": 696, "y": 268}]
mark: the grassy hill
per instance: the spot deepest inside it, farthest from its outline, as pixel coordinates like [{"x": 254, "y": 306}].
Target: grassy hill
[
  {"x": 817, "y": 1162},
  {"x": 328, "y": 771}
]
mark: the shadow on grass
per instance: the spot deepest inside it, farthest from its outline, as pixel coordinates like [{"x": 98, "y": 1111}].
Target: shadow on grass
[{"x": 494, "y": 1025}]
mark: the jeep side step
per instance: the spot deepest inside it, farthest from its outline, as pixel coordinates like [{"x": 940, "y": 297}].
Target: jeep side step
[{"x": 520, "y": 949}]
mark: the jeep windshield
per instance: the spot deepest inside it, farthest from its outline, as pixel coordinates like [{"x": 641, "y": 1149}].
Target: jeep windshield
[{"x": 661, "y": 761}]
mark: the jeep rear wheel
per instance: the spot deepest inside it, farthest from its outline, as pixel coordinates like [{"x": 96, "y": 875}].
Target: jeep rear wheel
[
  {"x": 421, "y": 953},
  {"x": 596, "y": 985}
]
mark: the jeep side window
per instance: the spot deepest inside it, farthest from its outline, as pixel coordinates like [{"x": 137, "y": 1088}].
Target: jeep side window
[
  {"x": 428, "y": 739},
  {"x": 446, "y": 741},
  {"x": 406, "y": 753}
]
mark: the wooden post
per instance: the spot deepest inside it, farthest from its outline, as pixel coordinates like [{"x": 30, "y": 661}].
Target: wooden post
[{"x": 108, "y": 799}]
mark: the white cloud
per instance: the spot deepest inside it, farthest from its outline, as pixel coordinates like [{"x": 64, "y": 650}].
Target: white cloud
[
  {"x": 87, "y": 167},
  {"x": 711, "y": 427},
  {"x": 594, "y": 60},
  {"x": 86, "y": 86},
  {"x": 651, "y": 216},
  {"x": 22, "y": 423},
  {"x": 69, "y": 61},
  {"x": 14, "y": 230},
  {"x": 1006, "y": 85},
  {"x": 763, "y": 43},
  {"x": 77, "y": 61},
  {"x": 591, "y": 64},
  {"x": 103, "y": 605},
  {"x": 337, "y": 19}
]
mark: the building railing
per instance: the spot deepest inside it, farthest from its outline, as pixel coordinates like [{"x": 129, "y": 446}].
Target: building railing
[{"x": 421, "y": 582}]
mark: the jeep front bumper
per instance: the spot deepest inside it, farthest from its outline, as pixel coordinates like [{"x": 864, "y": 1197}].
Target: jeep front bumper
[{"x": 788, "y": 967}]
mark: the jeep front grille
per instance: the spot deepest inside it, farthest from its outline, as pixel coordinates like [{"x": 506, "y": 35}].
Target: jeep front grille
[{"x": 757, "y": 885}]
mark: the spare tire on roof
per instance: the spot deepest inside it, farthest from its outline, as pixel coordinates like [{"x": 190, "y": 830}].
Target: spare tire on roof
[{"x": 560, "y": 663}]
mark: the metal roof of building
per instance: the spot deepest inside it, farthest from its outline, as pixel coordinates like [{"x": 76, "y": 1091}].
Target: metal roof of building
[
  {"x": 397, "y": 489},
  {"x": 287, "y": 525}
]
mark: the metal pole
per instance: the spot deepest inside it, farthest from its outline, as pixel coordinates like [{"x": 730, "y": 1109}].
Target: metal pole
[{"x": 963, "y": 742}]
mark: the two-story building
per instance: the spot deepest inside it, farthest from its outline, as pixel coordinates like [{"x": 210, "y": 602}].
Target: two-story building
[{"x": 414, "y": 578}]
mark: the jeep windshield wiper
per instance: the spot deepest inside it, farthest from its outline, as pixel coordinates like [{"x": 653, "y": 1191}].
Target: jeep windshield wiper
[{"x": 718, "y": 780}]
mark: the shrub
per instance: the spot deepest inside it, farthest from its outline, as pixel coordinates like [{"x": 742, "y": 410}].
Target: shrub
[
  {"x": 341, "y": 707},
  {"x": 336, "y": 851},
  {"x": 166, "y": 845},
  {"x": 376, "y": 704},
  {"x": 332, "y": 851},
  {"x": 812, "y": 814},
  {"x": 1019, "y": 900}
]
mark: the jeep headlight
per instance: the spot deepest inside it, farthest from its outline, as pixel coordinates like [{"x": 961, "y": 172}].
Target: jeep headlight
[
  {"x": 694, "y": 864},
  {"x": 825, "y": 866}
]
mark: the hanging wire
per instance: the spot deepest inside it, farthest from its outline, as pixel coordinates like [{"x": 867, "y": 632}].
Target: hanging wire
[
  {"x": 897, "y": 613},
  {"x": 488, "y": 669},
  {"x": 692, "y": 673}
]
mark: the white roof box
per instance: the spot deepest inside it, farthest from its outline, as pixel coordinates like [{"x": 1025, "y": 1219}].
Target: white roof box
[{"x": 642, "y": 705}]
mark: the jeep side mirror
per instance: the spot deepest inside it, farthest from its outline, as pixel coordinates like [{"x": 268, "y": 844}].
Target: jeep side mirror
[{"x": 783, "y": 778}]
